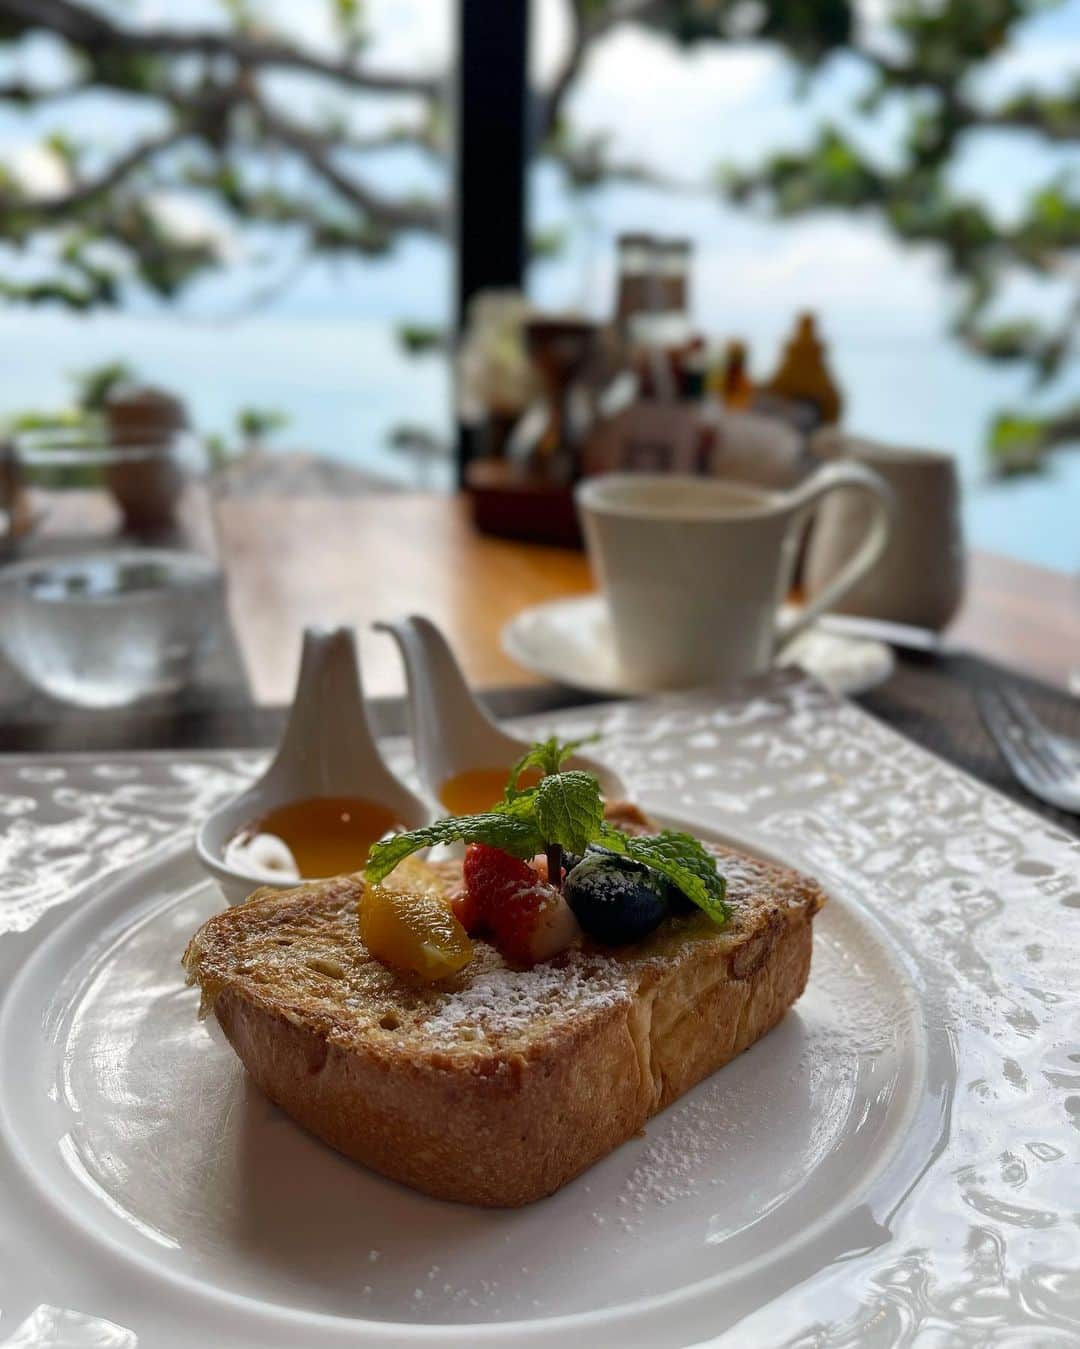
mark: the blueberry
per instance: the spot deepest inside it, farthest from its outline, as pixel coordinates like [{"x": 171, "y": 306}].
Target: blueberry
[
  {"x": 616, "y": 900},
  {"x": 572, "y": 859},
  {"x": 676, "y": 900}
]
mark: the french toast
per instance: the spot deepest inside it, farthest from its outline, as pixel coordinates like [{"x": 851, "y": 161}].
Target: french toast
[{"x": 498, "y": 1085}]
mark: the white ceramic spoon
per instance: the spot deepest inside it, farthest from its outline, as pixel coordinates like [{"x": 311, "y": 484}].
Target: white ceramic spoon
[
  {"x": 451, "y": 732},
  {"x": 327, "y": 750}
]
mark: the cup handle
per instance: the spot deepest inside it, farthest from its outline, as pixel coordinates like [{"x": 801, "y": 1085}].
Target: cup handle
[{"x": 834, "y": 476}]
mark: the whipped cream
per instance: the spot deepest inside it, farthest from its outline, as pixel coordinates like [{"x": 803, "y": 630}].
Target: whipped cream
[{"x": 262, "y": 857}]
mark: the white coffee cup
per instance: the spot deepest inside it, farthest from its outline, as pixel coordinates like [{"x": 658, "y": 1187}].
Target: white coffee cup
[{"x": 695, "y": 570}]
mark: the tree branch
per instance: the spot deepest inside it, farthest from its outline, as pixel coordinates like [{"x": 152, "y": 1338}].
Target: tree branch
[
  {"x": 96, "y": 35},
  {"x": 20, "y": 91},
  {"x": 1063, "y": 429},
  {"x": 585, "y": 32},
  {"x": 50, "y": 208},
  {"x": 1054, "y": 117},
  {"x": 1031, "y": 117},
  {"x": 326, "y": 232},
  {"x": 420, "y": 138},
  {"x": 415, "y": 215}
]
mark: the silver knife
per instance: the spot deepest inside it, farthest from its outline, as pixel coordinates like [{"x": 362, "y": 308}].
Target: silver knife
[{"x": 904, "y": 635}]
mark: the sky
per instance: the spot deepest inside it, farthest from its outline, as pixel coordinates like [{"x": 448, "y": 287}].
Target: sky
[{"x": 323, "y": 348}]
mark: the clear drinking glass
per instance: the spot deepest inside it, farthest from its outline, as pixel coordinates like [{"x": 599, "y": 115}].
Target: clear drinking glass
[{"x": 116, "y": 590}]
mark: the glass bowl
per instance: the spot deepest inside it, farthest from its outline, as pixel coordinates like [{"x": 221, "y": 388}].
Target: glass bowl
[{"x": 108, "y": 628}]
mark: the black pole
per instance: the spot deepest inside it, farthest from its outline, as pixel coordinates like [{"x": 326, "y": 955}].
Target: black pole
[{"x": 492, "y": 153}]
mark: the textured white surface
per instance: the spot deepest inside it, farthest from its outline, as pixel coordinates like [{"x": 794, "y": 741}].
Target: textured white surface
[{"x": 896, "y": 1164}]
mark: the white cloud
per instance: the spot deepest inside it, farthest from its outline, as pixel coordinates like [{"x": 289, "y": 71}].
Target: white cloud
[
  {"x": 1046, "y": 64},
  {"x": 668, "y": 106},
  {"x": 847, "y": 270},
  {"x": 412, "y": 34}
]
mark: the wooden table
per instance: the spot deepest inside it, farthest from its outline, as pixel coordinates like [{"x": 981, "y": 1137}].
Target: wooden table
[
  {"x": 1023, "y": 616},
  {"x": 354, "y": 560}
]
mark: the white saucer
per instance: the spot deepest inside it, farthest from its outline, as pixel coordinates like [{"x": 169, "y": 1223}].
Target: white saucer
[{"x": 571, "y": 642}]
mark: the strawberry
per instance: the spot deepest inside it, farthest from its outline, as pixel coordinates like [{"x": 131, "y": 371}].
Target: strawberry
[
  {"x": 528, "y": 919},
  {"x": 465, "y": 908},
  {"x": 517, "y": 917},
  {"x": 492, "y": 876}
]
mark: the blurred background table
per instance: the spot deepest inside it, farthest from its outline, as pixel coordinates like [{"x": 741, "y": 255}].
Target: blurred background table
[
  {"x": 351, "y": 560},
  {"x": 292, "y": 562}
]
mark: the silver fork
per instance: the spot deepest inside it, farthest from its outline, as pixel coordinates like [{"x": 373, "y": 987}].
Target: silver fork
[{"x": 1047, "y": 765}]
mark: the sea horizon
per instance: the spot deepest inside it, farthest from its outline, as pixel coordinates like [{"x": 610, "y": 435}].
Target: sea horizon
[{"x": 345, "y": 384}]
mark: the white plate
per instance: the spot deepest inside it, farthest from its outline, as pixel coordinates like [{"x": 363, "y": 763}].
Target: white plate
[
  {"x": 140, "y": 1125},
  {"x": 892, "y": 1161},
  {"x": 571, "y": 642}
]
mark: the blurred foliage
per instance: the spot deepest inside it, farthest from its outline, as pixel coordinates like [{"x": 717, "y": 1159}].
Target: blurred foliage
[
  {"x": 93, "y": 386},
  {"x": 94, "y": 223},
  {"x": 82, "y": 422},
  {"x": 79, "y": 423},
  {"x": 420, "y": 338},
  {"x": 940, "y": 51},
  {"x": 1019, "y": 443},
  {"x": 254, "y": 424},
  {"x": 1016, "y": 443},
  {"x": 245, "y": 157}
]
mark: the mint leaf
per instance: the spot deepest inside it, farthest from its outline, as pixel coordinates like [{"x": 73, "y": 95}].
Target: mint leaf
[
  {"x": 683, "y": 860},
  {"x": 521, "y": 806},
  {"x": 569, "y": 810},
  {"x": 508, "y": 832},
  {"x": 565, "y": 812},
  {"x": 548, "y": 755}
]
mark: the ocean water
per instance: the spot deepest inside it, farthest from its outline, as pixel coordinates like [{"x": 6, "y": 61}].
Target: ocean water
[
  {"x": 345, "y": 385},
  {"x": 322, "y": 348}
]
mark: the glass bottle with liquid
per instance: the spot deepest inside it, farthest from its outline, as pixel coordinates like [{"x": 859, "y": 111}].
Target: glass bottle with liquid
[{"x": 635, "y": 286}]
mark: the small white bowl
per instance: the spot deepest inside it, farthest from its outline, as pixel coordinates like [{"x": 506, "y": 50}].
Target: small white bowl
[{"x": 327, "y": 750}]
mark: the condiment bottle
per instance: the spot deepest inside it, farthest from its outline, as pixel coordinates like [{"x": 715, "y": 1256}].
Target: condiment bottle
[
  {"x": 736, "y": 390},
  {"x": 803, "y": 375},
  {"x": 636, "y": 280},
  {"x": 662, "y": 334},
  {"x": 673, "y": 274}
]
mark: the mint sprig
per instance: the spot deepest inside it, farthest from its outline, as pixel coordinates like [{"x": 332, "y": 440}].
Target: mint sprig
[
  {"x": 564, "y": 812},
  {"x": 517, "y": 836},
  {"x": 569, "y": 810},
  {"x": 548, "y": 755},
  {"x": 682, "y": 859}
]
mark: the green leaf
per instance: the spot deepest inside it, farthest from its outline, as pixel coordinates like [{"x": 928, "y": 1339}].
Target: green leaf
[
  {"x": 683, "y": 860},
  {"x": 508, "y": 832},
  {"x": 569, "y": 810},
  {"x": 522, "y": 805},
  {"x": 565, "y": 810},
  {"x": 548, "y": 755}
]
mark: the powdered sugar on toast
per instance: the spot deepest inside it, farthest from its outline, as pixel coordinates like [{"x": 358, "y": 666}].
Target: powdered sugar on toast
[{"x": 501, "y": 1002}]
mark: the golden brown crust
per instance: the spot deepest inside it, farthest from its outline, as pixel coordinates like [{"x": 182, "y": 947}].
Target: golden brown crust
[{"x": 500, "y": 1086}]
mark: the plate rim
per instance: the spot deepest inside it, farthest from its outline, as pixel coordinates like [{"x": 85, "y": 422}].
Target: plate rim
[{"x": 524, "y": 654}]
